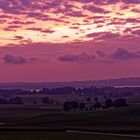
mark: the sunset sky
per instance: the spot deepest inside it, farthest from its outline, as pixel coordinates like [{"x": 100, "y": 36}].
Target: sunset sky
[{"x": 68, "y": 40}]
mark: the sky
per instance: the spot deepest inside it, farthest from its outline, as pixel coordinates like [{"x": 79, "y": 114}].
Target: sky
[{"x": 69, "y": 40}]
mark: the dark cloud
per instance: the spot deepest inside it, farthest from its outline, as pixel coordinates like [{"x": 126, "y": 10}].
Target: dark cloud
[
  {"x": 65, "y": 36},
  {"x": 19, "y": 37},
  {"x": 104, "y": 2},
  {"x": 132, "y": 20},
  {"x": 12, "y": 59},
  {"x": 47, "y": 31},
  {"x": 109, "y": 35},
  {"x": 98, "y": 2},
  {"x": 38, "y": 15},
  {"x": 104, "y": 35},
  {"x": 136, "y": 32},
  {"x": 101, "y": 54},
  {"x": 94, "y": 9},
  {"x": 125, "y": 54},
  {"x": 28, "y": 6},
  {"x": 4, "y": 16},
  {"x": 12, "y": 28},
  {"x": 69, "y": 57},
  {"x": 2, "y": 21},
  {"x": 74, "y": 27},
  {"x": 41, "y": 30},
  {"x": 77, "y": 57},
  {"x": 131, "y": 1},
  {"x": 75, "y": 14},
  {"x": 21, "y": 22},
  {"x": 136, "y": 10}
]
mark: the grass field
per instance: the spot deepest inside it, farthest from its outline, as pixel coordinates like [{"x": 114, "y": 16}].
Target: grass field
[
  {"x": 125, "y": 120},
  {"x": 56, "y": 136},
  {"x": 122, "y": 120}
]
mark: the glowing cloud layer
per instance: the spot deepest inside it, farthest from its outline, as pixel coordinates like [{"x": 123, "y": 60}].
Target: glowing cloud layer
[{"x": 24, "y": 21}]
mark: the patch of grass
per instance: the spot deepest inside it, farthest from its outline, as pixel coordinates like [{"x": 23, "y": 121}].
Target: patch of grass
[
  {"x": 101, "y": 116},
  {"x": 56, "y": 136},
  {"x": 122, "y": 120}
]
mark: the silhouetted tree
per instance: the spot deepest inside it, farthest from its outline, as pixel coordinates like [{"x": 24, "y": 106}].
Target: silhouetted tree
[
  {"x": 108, "y": 103},
  {"x": 82, "y": 106},
  {"x": 90, "y": 108},
  {"x": 45, "y": 100},
  {"x": 97, "y": 106},
  {"x": 16, "y": 100},
  {"x": 95, "y": 91},
  {"x": 34, "y": 102},
  {"x": 88, "y": 99},
  {"x": 120, "y": 103},
  {"x": 67, "y": 106},
  {"x": 3, "y": 101},
  {"x": 75, "y": 105},
  {"x": 86, "y": 109},
  {"x": 96, "y": 99}
]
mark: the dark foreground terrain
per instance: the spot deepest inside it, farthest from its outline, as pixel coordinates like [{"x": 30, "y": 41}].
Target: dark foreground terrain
[
  {"x": 44, "y": 125},
  {"x": 42, "y": 135}
]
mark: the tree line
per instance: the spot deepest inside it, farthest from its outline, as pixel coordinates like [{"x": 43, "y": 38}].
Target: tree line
[
  {"x": 76, "y": 106},
  {"x": 19, "y": 100}
]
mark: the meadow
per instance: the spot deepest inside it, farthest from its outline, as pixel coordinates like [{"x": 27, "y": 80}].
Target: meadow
[
  {"x": 121, "y": 120},
  {"x": 42, "y": 135},
  {"x": 27, "y": 123}
]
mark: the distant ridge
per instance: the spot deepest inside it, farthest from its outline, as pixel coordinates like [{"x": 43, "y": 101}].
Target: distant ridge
[{"x": 133, "y": 81}]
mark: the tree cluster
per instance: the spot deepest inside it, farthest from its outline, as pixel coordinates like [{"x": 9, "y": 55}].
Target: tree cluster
[
  {"x": 73, "y": 105},
  {"x": 16, "y": 100}
]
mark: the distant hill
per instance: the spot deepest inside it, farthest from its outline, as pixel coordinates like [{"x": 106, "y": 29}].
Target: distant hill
[{"x": 134, "y": 81}]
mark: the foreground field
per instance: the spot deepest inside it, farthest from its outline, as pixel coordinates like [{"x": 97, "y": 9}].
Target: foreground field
[
  {"x": 124, "y": 120},
  {"x": 24, "y": 135}
]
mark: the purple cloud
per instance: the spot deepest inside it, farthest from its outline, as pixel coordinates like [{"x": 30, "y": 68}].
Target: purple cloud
[
  {"x": 136, "y": 32},
  {"x": 104, "y": 2},
  {"x": 41, "y": 30},
  {"x": 77, "y": 57},
  {"x": 12, "y": 59},
  {"x": 19, "y": 37},
  {"x": 12, "y": 28},
  {"x": 101, "y": 54},
  {"x": 94, "y": 9},
  {"x": 131, "y": 1},
  {"x": 104, "y": 35},
  {"x": 125, "y": 54}
]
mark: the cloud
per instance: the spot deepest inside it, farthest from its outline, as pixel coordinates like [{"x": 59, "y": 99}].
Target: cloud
[
  {"x": 136, "y": 32},
  {"x": 101, "y": 54},
  {"x": 11, "y": 28},
  {"x": 132, "y": 20},
  {"x": 131, "y": 1},
  {"x": 12, "y": 59},
  {"x": 136, "y": 10},
  {"x": 46, "y": 16},
  {"x": 77, "y": 57},
  {"x": 40, "y": 30},
  {"x": 94, "y": 9},
  {"x": 65, "y": 36},
  {"x": 75, "y": 14},
  {"x": 125, "y": 54},
  {"x": 104, "y": 2},
  {"x": 103, "y": 35},
  {"x": 21, "y": 22},
  {"x": 19, "y": 37}
]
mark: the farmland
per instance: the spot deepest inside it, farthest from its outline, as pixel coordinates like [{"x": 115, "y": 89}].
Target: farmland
[
  {"x": 42, "y": 135},
  {"x": 124, "y": 120},
  {"x": 36, "y": 119},
  {"x": 40, "y": 124}
]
